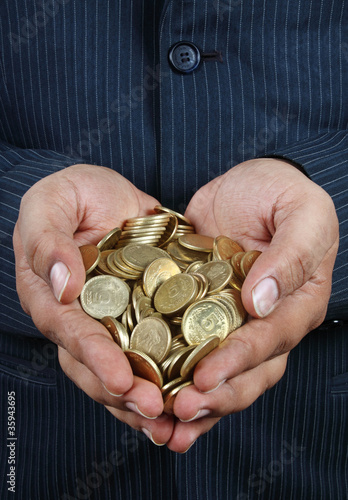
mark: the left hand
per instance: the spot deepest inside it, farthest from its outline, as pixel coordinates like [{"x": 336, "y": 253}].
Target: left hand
[{"x": 271, "y": 206}]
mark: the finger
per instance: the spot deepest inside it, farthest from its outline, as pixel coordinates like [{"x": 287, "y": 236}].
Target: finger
[
  {"x": 232, "y": 396},
  {"x": 86, "y": 339},
  {"x": 260, "y": 340},
  {"x": 158, "y": 430},
  {"x": 304, "y": 237},
  {"x": 68, "y": 209},
  {"x": 47, "y": 244},
  {"x": 186, "y": 434},
  {"x": 143, "y": 398}
]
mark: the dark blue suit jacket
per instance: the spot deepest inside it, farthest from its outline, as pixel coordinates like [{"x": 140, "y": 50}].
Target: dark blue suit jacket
[{"x": 91, "y": 81}]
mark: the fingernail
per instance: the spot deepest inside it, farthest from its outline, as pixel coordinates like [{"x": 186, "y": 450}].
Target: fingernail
[
  {"x": 149, "y": 435},
  {"x": 214, "y": 388},
  {"x": 201, "y": 413},
  {"x": 112, "y": 394},
  {"x": 187, "y": 449},
  {"x": 134, "y": 407},
  {"x": 59, "y": 277},
  {"x": 265, "y": 295}
]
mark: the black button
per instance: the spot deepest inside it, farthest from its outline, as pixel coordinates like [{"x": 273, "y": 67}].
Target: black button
[{"x": 184, "y": 57}]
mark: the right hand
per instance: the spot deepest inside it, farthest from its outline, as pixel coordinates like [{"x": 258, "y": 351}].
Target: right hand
[{"x": 63, "y": 211}]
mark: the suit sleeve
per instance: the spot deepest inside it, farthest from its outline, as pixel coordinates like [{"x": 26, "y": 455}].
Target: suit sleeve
[
  {"x": 19, "y": 170},
  {"x": 325, "y": 161}
]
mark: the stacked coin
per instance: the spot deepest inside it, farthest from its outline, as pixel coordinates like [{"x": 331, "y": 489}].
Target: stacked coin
[{"x": 166, "y": 295}]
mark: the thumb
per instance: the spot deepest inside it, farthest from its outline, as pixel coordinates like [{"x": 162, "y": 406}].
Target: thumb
[
  {"x": 44, "y": 234},
  {"x": 299, "y": 246},
  {"x": 55, "y": 257}
]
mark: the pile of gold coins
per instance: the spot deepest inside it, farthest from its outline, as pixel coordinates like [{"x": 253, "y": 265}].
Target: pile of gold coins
[{"x": 167, "y": 295}]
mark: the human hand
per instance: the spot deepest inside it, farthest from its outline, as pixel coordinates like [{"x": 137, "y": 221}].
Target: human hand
[
  {"x": 63, "y": 211},
  {"x": 266, "y": 205}
]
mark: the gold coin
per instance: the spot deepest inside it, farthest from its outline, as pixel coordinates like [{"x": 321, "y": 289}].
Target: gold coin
[
  {"x": 142, "y": 230},
  {"x": 129, "y": 317},
  {"x": 137, "y": 293},
  {"x": 248, "y": 260},
  {"x": 218, "y": 273},
  {"x": 197, "y": 242},
  {"x": 170, "y": 397},
  {"x": 143, "y": 366},
  {"x": 159, "y": 209},
  {"x": 175, "y": 294},
  {"x": 116, "y": 271},
  {"x": 235, "y": 312},
  {"x": 104, "y": 296},
  {"x": 152, "y": 336},
  {"x": 117, "y": 331},
  {"x": 203, "y": 283},
  {"x": 157, "y": 273},
  {"x": 205, "y": 318},
  {"x": 123, "y": 267},
  {"x": 141, "y": 304},
  {"x": 199, "y": 352},
  {"x": 224, "y": 248},
  {"x": 90, "y": 256},
  {"x": 170, "y": 231},
  {"x": 235, "y": 261},
  {"x": 178, "y": 360},
  {"x": 109, "y": 241},
  {"x": 143, "y": 240},
  {"x": 139, "y": 256},
  {"x": 171, "y": 384},
  {"x": 193, "y": 268},
  {"x": 102, "y": 266},
  {"x": 185, "y": 254}
]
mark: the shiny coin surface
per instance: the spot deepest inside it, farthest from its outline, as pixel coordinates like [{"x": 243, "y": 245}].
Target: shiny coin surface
[
  {"x": 157, "y": 273},
  {"x": 248, "y": 260},
  {"x": 197, "y": 242},
  {"x": 199, "y": 352},
  {"x": 117, "y": 331},
  {"x": 102, "y": 266},
  {"x": 218, "y": 273},
  {"x": 180, "y": 217},
  {"x": 175, "y": 294},
  {"x": 90, "y": 256},
  {"x": 143, "y": 366},
  {"x": 183, "y": 254},
  {"x": 169, "y": 398},
  {"x": 235, "y": 261},
  {"x": 178, "y": 360},
  {"x": 110, "y": 240},
  {"x": 152, "y": 336},
  {"x": 205, "y": 318},
  {"x": 104, "y": 296},
  {"x": 140, "y": 256},
  {"x": 224, "y": 248}
]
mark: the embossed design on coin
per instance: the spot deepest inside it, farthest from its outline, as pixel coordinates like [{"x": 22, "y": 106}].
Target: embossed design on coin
[
  {"x": 218, "y": 273},
  {"x": 204, "y": 318},
  {"x": 104, "y": 296},
  {"x": 175, "y": 294},
  {"x": 224, "y": 248},
  {"x": 157, "y": 273},
  {"x": 152, "y": 336},
  {"x": 139, "y": 256}
]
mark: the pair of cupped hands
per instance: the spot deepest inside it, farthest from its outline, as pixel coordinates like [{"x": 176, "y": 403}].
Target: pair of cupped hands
[{"x": 264, "y": 204}]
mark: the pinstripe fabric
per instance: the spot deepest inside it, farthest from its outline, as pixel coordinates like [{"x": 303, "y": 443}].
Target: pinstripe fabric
[{"x": 91, "y": 82}]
